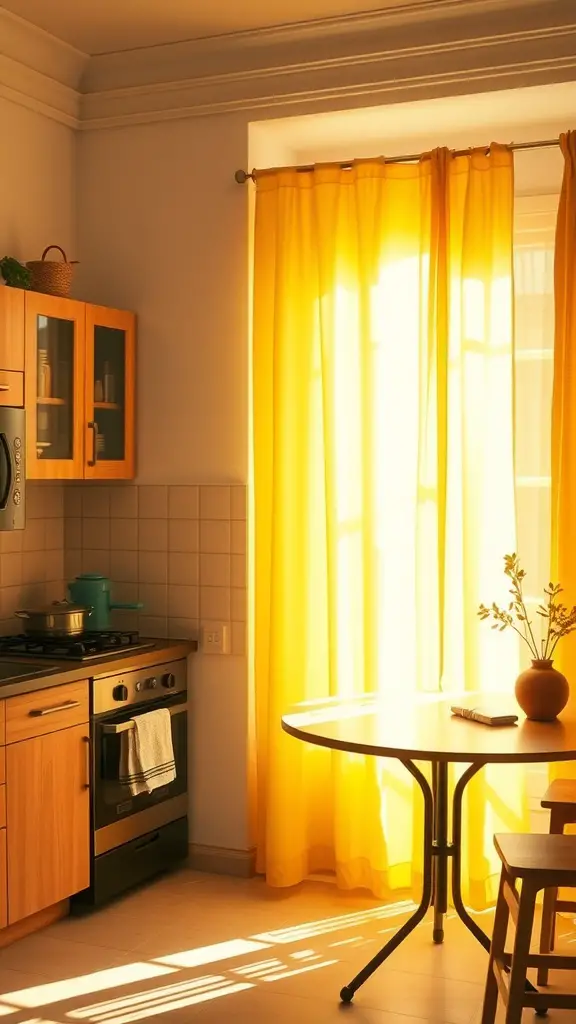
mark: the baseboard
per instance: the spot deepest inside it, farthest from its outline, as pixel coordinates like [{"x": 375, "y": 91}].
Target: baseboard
[
  {"x": 34, "y": 923},
  {"x": 217, "y": 860}
]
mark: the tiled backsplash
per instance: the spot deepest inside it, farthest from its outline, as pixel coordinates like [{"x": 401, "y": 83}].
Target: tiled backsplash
[
  {"x": 180, "y": 550},
  {"x": 32, "y": 560}
]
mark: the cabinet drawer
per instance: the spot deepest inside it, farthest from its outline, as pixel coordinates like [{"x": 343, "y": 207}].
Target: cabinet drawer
[
  {"x": 36, "y": 714},
  {"x": 2, "y": 765},
  {"x": 11, "y": 388}
]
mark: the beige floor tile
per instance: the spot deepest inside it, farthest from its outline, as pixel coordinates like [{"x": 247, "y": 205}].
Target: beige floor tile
[
  {"x": 254, "y": 1006},
  {"x": 56, "y": 958}
]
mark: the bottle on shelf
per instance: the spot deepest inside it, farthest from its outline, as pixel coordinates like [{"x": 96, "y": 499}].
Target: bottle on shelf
[{"x": 108, "y": 384}]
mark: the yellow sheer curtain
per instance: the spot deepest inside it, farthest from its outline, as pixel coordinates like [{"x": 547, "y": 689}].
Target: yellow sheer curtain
[
  {"x": 384, "y": 500},
  {"x": 564, "y": 411}
]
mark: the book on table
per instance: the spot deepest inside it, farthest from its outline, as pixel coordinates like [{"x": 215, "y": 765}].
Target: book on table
[{"x": 484, "y": 714}]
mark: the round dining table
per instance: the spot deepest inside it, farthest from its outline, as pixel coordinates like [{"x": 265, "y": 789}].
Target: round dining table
[{"x": 423, "y": 729}]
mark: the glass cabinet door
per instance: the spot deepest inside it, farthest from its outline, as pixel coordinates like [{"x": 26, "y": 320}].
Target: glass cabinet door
[
  {"x": 54, "y": 387},
  {"x": 110, "y": 339}
]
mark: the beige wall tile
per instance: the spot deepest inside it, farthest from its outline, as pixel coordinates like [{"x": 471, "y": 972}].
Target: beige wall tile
[
  {"x": 124, "y": 566},
  {"x": 152, "y": 535},
  {"x": 183, "y": 502},
  {"x": 124, "y": 501},
  {"x": 53, "y": 500},
  {"x": 33, "y": 595},
  {"x": 182, "y": 602},
  {"x": 124, "y": 534},
  {"x": 54, "y": 534},
  {"x": 95, "y": 500},
  {"x": 238, "y": 502},
  {"x": 10, "y": 602},
  {"x": 125, "y": 593},
  {"x": 214, "y": 537},
  {"x": 238, "y": 570},
  {"x": 34, "y": 536},
  {"x": 53, "y": 565},
  {"x": 96, "y": 561},
  {"x": 153, "y": 567},
  {"x": 214, "y": 502},
  {"x": 152, "y": 502},
  {"x": 34, "y": 502},
  {"x": 183, "y": 629},
  {"x": 238, "y": 644},
  {"x": 96, "y": 533},
  {"x": 238, "y": 538},
  {"x": 238, "y": 605},
  {"x": 153, "y": 625},
  {"x": 214, "y": 570},
  {"x": 154, "y": 597},
  {"x": 11, "y": 540},
  {"x": 11, "y": 569},
  {"x": 72, "y": 564},
  {"x": 72, "y": 500},
  {"x": 183, "y": 535},
  {"x": 73, "y": 534},
  {"x": 183, "y": 569},
  {"x": 33, "y": 567},
  {"x": 215, "y": 603},
  {"x": 124, "y": 620},
  {"x": 55, "y": 590}
]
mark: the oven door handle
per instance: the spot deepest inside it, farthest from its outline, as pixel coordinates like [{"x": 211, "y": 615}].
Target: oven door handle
[{"x": 116, "y": 730}]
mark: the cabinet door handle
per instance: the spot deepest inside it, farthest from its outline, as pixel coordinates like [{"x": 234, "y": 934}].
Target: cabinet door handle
[
  {"x": 66, "y": 706},
  {"x": 88, "y": 761},
  {"x": 4, "y": 387},
  {"x": 94, "y": 428}
]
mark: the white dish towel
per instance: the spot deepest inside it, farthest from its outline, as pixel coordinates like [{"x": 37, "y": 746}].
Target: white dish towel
[{"x": 147, "y": 753}]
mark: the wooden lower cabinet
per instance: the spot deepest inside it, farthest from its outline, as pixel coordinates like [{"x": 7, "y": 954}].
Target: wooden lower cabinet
[
  {"x": 3, "y": 881},
  {"x": 48, "y": 820}
]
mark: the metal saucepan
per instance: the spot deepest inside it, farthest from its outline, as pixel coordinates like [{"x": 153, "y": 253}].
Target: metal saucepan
[{"x": 58, "y": 619}]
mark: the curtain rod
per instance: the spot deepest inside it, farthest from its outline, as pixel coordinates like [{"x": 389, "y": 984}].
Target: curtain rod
[{"x": 242, "y": 176}]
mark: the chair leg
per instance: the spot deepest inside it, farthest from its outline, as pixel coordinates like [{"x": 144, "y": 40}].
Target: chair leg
[
  {"x": 497, "y": 947},
  {"x": 547, "y": 931},
  {"x": 519, "y": 967}
]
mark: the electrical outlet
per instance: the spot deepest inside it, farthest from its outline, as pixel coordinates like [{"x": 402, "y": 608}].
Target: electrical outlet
[{"x": 215, "y": 638}]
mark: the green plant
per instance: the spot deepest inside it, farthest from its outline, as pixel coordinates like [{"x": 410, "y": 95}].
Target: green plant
[
  {"x": 15, "y": 274},
  {"x": 561, "y": 620}
]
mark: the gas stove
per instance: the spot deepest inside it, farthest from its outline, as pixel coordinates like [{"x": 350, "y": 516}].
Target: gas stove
[{"x": 84, "y": 647}]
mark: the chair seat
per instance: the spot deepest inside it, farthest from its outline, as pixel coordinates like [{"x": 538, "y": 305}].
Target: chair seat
[
  {"x": 561, "y": 793},
  {"x": 526, "y": 855}
]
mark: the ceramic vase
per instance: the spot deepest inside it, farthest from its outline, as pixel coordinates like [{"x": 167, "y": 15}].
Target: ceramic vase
[{"x": 542, "y": 692}]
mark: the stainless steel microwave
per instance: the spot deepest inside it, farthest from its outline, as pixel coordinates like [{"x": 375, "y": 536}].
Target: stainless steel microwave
[{"x": 12, "y": 469}]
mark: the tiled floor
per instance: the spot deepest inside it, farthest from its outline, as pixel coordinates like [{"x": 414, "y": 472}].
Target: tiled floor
[{"x": 197, "y": 948}]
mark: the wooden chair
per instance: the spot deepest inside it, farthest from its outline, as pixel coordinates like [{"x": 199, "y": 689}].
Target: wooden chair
[
  {"x": 560, "y": 800},
  {"x": 540, "y": 862}
]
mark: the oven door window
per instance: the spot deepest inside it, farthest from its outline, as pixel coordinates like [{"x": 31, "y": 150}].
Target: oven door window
[{"x": 112, "y": 800}]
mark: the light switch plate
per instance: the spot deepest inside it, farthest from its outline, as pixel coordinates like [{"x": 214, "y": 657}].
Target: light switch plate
[{"x": 215, "y": 638}]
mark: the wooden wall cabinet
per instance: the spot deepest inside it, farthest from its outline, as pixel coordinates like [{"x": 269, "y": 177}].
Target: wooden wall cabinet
[{"x": 80, "y": 382}]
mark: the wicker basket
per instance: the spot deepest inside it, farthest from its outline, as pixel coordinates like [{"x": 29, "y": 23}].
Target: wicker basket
[{"x": 53, "y": 277}]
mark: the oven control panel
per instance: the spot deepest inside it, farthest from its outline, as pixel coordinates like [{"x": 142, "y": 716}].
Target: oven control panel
[{"x": 111, "y": 693}]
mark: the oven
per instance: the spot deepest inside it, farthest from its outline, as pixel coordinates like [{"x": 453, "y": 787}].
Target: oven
[{"x": 134, "y": 837}]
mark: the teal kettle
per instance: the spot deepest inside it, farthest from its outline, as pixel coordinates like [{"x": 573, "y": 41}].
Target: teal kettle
[{"x": 93, "y": 591}]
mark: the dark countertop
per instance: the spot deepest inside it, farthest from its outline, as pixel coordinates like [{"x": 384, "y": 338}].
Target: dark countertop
[{"x": 72, "y": 671}]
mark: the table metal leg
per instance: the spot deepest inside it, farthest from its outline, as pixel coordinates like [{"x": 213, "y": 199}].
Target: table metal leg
[
  {"x": 441, "y": 850},
  {"x": 347, "y": 993}
]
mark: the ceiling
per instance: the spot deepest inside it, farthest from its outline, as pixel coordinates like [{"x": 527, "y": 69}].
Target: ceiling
[{"x": 103, "y": 26}]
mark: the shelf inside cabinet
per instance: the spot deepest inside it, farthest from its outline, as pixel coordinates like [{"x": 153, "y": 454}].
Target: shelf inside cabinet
[
  {"x": 51, "y": 401},
  {"x": 106, "y": 405}
]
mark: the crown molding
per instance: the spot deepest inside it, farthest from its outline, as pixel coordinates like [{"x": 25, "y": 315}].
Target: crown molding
[
  {"x": 421, "y": 49},
  {"x": 502, "y": 60},
  {"x": 39, "y": 71}
]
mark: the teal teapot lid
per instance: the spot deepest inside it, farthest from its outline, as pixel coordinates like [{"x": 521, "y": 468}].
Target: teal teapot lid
[{"x": 90, "y": 576}]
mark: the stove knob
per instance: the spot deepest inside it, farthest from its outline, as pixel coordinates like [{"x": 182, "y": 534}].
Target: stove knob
[
  {"x": 152, "y": 683},
  {"x": 120, "y": 693},
  {"x": 139, "y": 686},
  {"x": 169, "y": 680}
]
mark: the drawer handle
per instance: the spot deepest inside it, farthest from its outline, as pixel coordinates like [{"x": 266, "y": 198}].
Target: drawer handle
[
  {"x": 4, "y": 387},
  {"x": 66, "y": 706}
]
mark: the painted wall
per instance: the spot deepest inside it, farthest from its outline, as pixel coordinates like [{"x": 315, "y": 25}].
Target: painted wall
[{"x": 37, "y": 183}]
